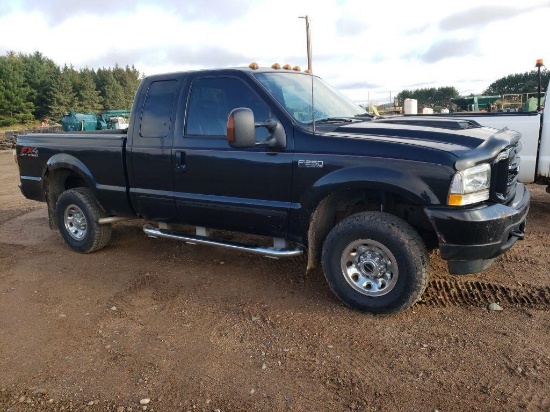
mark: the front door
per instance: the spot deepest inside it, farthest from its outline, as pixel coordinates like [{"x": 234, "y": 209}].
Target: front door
[{"x": 221, "y": 187}]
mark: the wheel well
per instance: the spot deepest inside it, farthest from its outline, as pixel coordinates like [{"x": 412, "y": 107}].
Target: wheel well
[
  {"x": 55, "y": 183},
  {"x": 337, "y": 206}
]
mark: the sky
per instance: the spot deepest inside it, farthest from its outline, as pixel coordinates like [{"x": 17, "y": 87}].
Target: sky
[{"x": 369, "y": 50}]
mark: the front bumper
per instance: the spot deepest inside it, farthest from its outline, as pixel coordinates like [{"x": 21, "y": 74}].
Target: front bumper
[{"x": 470, "y": 239}]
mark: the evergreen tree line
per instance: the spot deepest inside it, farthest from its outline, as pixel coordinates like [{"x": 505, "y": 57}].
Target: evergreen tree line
[
  {"x": 432, "y": 97},
  {"x": 33, "y": 87},
  {"x": 519, "y": 83}
]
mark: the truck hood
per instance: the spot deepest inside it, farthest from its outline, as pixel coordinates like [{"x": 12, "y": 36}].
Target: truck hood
[{"x": 469, "y": 142}]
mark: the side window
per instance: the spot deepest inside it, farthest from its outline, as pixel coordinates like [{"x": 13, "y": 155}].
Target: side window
[
  {"x": 156, "y": 117},
  {"x": 211, "y": 101}
]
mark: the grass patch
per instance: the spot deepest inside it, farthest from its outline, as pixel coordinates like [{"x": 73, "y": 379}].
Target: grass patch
[{"x": 25, "y": 126}]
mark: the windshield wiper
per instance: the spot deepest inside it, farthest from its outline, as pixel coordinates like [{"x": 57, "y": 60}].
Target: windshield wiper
[{"x": 335, "y": 120}]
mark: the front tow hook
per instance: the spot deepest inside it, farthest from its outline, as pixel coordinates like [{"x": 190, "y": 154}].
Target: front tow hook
[{"x": 516, "y": 233}]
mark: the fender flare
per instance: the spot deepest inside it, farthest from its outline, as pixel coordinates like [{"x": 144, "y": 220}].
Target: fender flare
[
  {"x": 320, "y": 198},
  {"x": 62, "y": 161},
  {"x": 400, "y": 182}
]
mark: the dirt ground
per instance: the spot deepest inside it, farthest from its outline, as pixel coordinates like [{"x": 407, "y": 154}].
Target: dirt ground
[{"x": 195, "y": 328}]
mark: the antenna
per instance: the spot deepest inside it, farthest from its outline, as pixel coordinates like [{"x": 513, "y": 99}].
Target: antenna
[
  {"x": 309, "y": 67},
  {"x": 308, "y": 41},
  {"x": 312, "y": 104}
]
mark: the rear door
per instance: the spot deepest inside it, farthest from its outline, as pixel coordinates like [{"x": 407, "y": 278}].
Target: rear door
[
  {"x": 221, "y": 187},
  {"x": 150, "y": 160}
]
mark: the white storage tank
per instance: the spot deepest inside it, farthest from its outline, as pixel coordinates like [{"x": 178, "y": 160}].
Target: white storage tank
[{"x": 411, "y": 106}]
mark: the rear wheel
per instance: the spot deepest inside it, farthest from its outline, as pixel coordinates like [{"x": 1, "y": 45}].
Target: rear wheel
[
  {"x": 375, "y": 262},
  {"x": 77, "y": 213}
]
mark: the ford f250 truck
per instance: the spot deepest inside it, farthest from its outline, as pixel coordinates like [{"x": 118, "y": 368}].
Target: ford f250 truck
[{"x": 279, "y": 154}]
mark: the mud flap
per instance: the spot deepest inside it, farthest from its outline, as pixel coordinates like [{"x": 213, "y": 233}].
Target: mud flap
[{"x": 466, "y": 267}]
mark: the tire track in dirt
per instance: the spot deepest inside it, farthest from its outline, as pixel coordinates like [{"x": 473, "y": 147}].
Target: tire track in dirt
[{"x": 443, "y": 292}]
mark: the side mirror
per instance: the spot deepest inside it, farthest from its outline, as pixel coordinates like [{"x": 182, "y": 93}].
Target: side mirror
[{"x": 241, "y": 130}]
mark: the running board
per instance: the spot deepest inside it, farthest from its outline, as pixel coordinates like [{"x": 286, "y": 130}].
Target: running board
[{"x": 272, "y": 252}]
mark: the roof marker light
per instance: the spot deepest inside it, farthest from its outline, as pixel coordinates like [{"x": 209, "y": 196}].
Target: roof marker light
[
  {"x": 287, "y": 66},
  {"x": 296, "y": 68},
  {"x": 253, "y": 66},
  {"x": 276, "y": 66}
]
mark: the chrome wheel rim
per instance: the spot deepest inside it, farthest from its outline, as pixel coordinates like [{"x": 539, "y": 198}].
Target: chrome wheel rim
[
  {"x": 75, "y": 222},
  {"x": 369, "y": 267}
]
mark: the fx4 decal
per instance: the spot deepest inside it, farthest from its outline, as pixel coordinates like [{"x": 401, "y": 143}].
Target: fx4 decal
[{"x": 27, "y": 151}]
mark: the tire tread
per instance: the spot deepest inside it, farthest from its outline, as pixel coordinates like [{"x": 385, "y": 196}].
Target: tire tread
[
  {"x": 101, "y": 234},
  {"x": 403, "y": 233}
]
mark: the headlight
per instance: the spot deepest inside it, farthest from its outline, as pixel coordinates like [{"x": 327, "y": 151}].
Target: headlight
[{"x": 470, "y": 186}]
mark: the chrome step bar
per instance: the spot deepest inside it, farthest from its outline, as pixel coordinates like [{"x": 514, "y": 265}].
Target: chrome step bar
[
  {"x": 113, "y": 219},
  {"x": 273, "y": 252}
]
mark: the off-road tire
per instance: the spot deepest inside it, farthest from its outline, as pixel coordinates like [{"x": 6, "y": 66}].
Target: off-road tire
[
  {"x": 375, "y": 262},
  {"x": 77, "y": 212}
]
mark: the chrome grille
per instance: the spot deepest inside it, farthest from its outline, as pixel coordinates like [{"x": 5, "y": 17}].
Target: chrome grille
[{"x": 505, "y": 173}]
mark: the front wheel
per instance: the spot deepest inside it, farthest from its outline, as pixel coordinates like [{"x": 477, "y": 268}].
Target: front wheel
[
  {"x": 375, "y": 262},
  {"x": 77, "y": 213}
]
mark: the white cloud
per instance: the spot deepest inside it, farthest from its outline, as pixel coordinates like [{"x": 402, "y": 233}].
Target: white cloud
[{"x": 366, "y": 48}]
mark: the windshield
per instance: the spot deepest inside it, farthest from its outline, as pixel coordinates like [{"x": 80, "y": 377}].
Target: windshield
[{"x": 294, "y": 93}]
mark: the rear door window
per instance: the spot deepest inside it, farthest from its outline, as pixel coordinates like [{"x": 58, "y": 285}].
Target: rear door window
[{"x": 156, "y": 118}]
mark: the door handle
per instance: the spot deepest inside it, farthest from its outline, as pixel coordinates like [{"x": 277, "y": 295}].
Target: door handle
[{"x": 180, "y": 161}]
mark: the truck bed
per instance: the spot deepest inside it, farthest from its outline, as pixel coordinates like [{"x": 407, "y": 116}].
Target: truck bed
[{"x": 99, "y": 154}]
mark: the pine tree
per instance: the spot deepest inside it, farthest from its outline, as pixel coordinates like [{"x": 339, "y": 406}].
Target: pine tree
[
  {"x": 63, "y": 96},
  {"x": 39, "y": 75},
  {"x": 87, "y": 95},
  {"x": 14, "y": 104},
  {"x": 111, "y": 90},
  {"x": 129, "y": 78}
]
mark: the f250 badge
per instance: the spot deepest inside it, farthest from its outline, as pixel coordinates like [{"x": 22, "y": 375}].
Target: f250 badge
[
  {"x": 27, "y": 151},
  {"x": 315, "y": 164}
]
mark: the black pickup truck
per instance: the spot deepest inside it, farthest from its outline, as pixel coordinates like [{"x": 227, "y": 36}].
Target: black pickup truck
[{"x": 279, "y": 154}]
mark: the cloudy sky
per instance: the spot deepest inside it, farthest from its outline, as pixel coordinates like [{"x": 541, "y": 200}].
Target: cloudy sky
[{"x": 369, "y": 50}]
